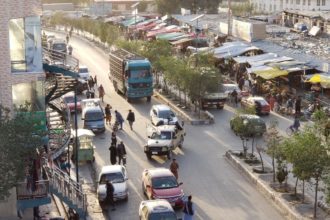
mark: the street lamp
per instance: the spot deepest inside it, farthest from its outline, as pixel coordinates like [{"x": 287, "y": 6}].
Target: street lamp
[
  {"x": 196, "y": 34},
  {"x": 135, "y": 13}
]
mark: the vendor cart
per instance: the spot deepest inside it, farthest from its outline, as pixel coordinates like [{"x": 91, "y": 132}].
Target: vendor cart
[{"x": 86, "y": 146}]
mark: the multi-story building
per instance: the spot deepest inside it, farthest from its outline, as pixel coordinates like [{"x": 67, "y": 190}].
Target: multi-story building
[
  {"x": 21, "y": 73},
  {"x": 272, "y": 6}
]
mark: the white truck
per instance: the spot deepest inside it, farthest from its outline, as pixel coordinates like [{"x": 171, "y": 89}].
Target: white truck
[{"x": 163, "y": 139}]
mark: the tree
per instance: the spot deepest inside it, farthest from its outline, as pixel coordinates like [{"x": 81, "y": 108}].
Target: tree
[
  {"x": 309, "y": 156},
  {"x": 167, "y": 7},
  {"x": 273, "y": 140},
  {"x": 19, "y": 140}
]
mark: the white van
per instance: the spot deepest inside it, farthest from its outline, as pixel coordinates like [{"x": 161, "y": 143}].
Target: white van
[{"x": 83, "y": 72}]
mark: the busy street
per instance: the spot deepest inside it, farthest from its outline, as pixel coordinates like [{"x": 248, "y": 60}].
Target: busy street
[{"x": 217, "y": 188}]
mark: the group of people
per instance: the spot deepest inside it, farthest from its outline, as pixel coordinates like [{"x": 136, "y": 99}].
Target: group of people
[
  {"x": 117, "y": 151},
  {"x": 278, "y": 103}
]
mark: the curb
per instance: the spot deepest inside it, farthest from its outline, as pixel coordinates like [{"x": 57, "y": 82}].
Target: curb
[
  {"x": 181, "y": 113},
  {"x": 282, "y": 205}
]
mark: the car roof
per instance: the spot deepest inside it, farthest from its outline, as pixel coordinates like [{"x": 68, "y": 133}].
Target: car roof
[
  {"x": 250, "y": 116},
  {"x": 159, "y": 172},
  {"x": 158, "y": 205},
  {"x": 229, "y": 84},
  {"x": 162, "y": 107},
  {"x": 256, "y": 98},
  {"x": 83, "y": 67},
  {"x": 166, "y": 128},
  {"x": 111, "y": 169},
  {"x": 68, "y": 94}
]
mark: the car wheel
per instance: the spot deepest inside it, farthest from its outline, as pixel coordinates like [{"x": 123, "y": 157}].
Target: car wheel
[
  {"x": 148, "y": 154},
  {"x": 169, "y": 155}
]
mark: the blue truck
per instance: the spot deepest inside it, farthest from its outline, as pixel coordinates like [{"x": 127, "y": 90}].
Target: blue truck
[{"x": 131, "y": 75}]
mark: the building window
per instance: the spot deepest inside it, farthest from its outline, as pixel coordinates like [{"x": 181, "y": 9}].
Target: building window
[
  {"x": 25, "y": 45},
  {"x": 32, "y": 93},
  {"x": 323, "y": 2},
  {"x": 304, "y": 2},
  {"x": 309, "y": 2},
  {"x": 274, "y": 7},
  {"x": 287, "y": 1},
  {"x": 291, "y": 2},
  {"x": 298, "y": 2},
  {"x": 317, "y": 2}
]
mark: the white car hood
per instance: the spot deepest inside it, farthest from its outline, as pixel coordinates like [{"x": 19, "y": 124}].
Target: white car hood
[
  {"x": 155, "y": 143},
  {"x": 119, "y": 188}
]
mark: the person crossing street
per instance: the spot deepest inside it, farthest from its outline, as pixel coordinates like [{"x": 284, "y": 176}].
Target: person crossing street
[
  {"x": 174, "y": 168},
  {"x": 130, "y": 118},
  {"x": 121, "y": 153}
]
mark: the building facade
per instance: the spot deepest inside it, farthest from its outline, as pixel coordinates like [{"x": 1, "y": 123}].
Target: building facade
[
  {"x": 21, "y": 72},
  {"x": 274, "y": 6}
]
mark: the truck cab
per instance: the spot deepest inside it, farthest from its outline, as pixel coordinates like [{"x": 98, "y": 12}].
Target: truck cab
[
  {"x": 216, "y": 99},
  {"x": 93, "y": 115},
  {"x": 163, "y": 139}
]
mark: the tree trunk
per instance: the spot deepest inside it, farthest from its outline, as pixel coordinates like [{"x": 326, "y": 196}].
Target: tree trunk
[
  {"x": 252, "y": 146},
  {"x": 303, "y": 192},
  {"x": 273, "y": 164},
  {"x": 295, "y": 187},
  {"x": 315, "y": 202},
  {"x": 262, "y": 161}
]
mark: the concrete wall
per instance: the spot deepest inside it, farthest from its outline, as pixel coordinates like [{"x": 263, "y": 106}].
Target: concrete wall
[{"x": 10, "y": 9}]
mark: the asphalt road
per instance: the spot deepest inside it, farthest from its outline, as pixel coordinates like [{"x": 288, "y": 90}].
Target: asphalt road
[{"x": 219, "y": 191}]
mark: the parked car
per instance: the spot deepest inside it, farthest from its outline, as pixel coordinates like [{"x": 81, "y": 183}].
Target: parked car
[
  {"x": 261, "y": 105},
  {"x": 228, "y": 88},
  {"x": 93, "y": 115},
  {"x": 160, "y": 183},
  {"x": 162, "y": 113},
  {"x": 69, "y": 101},
  {"x": 117, "y": 174},
  {"x": 252, "y": 124},
  {"x": 156, "y": 209}
]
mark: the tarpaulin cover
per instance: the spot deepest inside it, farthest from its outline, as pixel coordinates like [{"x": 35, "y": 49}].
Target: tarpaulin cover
[
  {"x": 323, "y": 79},
  {"x": 271, "y": 73}
]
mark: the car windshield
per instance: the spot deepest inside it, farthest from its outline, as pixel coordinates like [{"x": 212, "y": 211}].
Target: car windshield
[
  {"x": 140, "y": 74},
  {"x": 162, "y": 216},
  {"x": 59, "y": 46},
  {"x": 94, "y": 116},
  {"x": 164, "y": 135},
  {"x": 262, "y": 101},
  {"x": 83, "y": 70},
  {"x": 165, "y": 182},
  {"x": 113, "y": 177},
  {"x": 230, "y": 88},
  {"x": 166, "y": 114},
  {"x": 69, "y": 99}
]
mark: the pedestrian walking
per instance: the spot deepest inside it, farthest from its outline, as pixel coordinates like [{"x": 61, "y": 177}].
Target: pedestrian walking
[
  {"x": 113, "y": 139},
  {"x": 67, "y": 38},
  {"x": 241, "y": 83},
  {"x": 110, "y": 191},
  {"x": 90, "y": 82},
  {"x": 289, "y": 106},
  {"x": 101, "y": 92},
  {"x": 272, "y": 102},
  {"x": 113, "y": 154},
  {"x": 108, "y": 114},
  {"x": 174, "y": 168},
  {"x": 130, "y": 118},
  {"x": 119, "y": 119},
  {"x": 298, "y": 106},
  {"x": 121, "y": 152},
  {"x": 234, "y": 95},
  {"x": 95, "y": 80},
  {"x": 188, "y": 209}
]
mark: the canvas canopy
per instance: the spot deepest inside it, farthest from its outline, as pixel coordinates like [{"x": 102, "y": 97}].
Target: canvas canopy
[
  {"x": 249, "y": 59},
  {"x": 181, "y": 41},
  {"x": 271, "y": 73},
  {"x": 236, "y": 51},
  {"x": 168, "y": 36},
  {"x": 323, "y": 79}
]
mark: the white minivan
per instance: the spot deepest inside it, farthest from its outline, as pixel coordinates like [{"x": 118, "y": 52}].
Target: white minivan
[{"x": 83, "y": 72}]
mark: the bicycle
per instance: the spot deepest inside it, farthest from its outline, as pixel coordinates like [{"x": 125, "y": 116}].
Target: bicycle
[{"x": 291, "y": 130}]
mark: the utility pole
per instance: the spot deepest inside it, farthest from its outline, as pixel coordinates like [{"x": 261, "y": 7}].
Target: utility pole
[{"x": 229, "y": 17}]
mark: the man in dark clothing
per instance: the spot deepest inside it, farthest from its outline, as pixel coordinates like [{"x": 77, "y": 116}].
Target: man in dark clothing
[
  {"x": 113, "y": 139},
  {"x": 110, "y": 191},
  {"x": 113, "y": 154},
  {"x": 234, "y": 95},
  {"x": 119, "y": 119},
  {"x": 241, "y": 83},
  {"x": 121, "y": 152},
  {"x": 108, "y": 114},
  {"x": 298, "y": 106},
  {"x": 188, "y": 209},
  {"x": 130, "y": 118}
]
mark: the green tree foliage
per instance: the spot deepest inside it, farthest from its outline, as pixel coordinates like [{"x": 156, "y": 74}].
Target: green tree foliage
[
  {"x": 240, "y": 9},
  {"x": 132, "y": 46},
  {"x": 19, "y": 140},
  {"x": 156, "y": 49},
  {"x": 168, "y": 7},
  {"x": 308, "y": 154},
  {"x": 210, "y": 6},
  {"x": 76, "y": 2}
]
